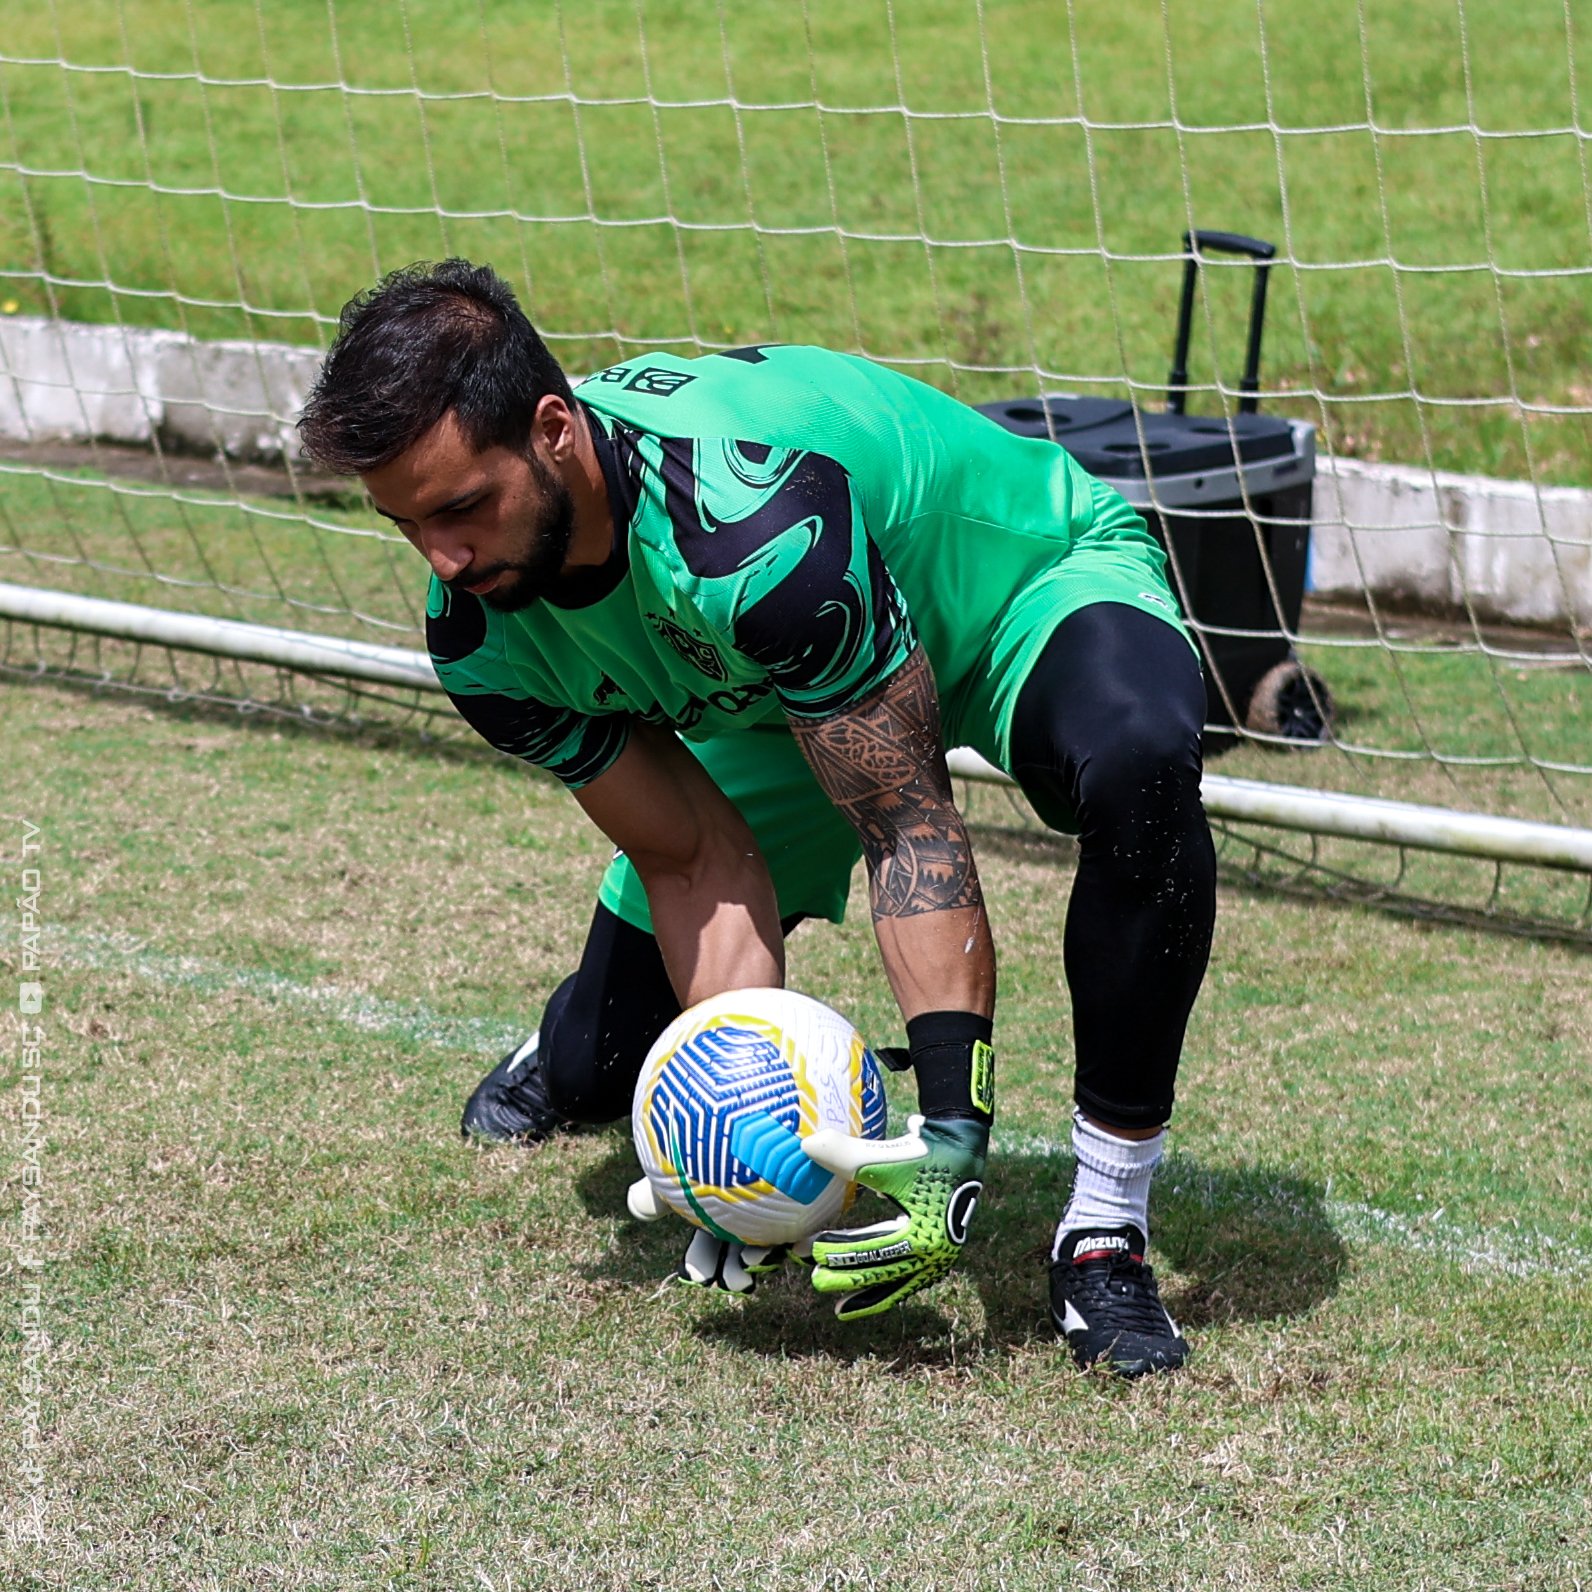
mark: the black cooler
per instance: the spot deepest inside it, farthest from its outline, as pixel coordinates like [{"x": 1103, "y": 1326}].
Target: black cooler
[{"x": 1229, "y": 499}]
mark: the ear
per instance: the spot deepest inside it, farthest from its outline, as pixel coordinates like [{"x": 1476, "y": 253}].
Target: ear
[{"x": 553, "y": 425}]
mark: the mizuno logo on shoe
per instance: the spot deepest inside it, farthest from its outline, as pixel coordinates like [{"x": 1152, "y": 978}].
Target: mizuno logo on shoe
[{"x": 1101, "y": 1244}]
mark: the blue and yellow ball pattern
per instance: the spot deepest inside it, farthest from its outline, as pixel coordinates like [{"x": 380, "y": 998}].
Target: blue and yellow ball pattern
[{"x": 725, "y": 1098}]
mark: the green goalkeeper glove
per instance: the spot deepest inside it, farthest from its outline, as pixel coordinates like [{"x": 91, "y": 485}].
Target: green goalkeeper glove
[
  {"x": 717, "y": 1263},
  {"x": 935, "y": 1173},
  {"x": 711, "y": 1262}
]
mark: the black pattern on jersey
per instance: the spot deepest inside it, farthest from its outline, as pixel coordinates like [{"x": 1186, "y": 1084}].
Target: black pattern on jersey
[
  {"x": 458, "y": 630},
  {"x": 579, "y": 746},
  {"x": 727, "y": 699},
  {"x": 825, "y": 632},
  {"x": 751, "y": 355},
  {"x": 625, "y": 455}
]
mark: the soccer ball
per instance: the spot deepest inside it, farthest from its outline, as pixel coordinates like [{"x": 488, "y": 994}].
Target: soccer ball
[{"x": 725, "y": 1098}]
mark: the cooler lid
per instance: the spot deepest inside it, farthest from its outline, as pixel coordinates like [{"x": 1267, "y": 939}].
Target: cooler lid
[{"x": 1104, "y": 436}]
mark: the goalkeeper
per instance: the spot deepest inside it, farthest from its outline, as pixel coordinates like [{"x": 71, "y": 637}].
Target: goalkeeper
[{"x": 740, "y": 605}]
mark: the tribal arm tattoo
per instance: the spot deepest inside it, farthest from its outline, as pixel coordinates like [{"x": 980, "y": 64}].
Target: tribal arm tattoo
[{"x": 881, "y": 763}]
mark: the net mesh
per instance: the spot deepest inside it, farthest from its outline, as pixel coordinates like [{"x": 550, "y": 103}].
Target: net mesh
[{"x": 989, "y": 195}]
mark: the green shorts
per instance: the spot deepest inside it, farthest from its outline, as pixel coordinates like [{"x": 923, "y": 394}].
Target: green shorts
[
  {"x": 1115, "y": 565},
  {"x": 809, "y": 847}
]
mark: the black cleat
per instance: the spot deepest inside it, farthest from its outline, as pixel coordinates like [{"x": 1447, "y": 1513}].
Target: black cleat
[
  {"x": 1104, "y": 1302},
  {"x": 510, "y": 1104}
]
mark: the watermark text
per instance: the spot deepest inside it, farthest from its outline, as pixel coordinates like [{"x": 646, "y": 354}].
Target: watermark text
[{"x": 28, "y": 1246}]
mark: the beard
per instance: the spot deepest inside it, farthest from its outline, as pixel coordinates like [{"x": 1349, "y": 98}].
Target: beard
[{"x": 528, "y": 577}]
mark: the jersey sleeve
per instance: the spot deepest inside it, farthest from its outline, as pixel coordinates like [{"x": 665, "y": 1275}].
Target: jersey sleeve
[
  {"x": 786, "y": 570},
  {"x": 576, "y": 747}
]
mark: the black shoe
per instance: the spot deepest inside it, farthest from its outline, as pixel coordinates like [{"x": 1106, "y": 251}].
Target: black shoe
[
  {"x": 510, "y": 1104},
  {"x": 1104, "y": 1302}
]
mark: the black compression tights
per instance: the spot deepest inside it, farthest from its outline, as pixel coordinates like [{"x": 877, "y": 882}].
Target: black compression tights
[{"x": 1105, "y": 740}]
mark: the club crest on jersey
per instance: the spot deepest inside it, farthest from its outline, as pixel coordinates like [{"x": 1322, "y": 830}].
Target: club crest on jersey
[{"x": 699, "y": 654}]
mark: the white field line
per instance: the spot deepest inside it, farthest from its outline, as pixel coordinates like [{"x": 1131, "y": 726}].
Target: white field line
[
  {"x": 1515, "y": 1251},
  {"x": 116, "y": 953}
]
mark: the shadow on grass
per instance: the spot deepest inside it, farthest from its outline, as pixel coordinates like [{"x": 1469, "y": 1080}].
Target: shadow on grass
[
  {"x": 1232, "y": 1244},
  {"x": 1342, "y": 892},
  {"x": 1244, "y": 1243}
]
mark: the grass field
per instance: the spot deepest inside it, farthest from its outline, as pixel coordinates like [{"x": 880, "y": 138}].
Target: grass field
[
  {"x": 299, "y": 1337},
  {"x": 294, "y": 1334},
  {"x": 660, "y": 173}
]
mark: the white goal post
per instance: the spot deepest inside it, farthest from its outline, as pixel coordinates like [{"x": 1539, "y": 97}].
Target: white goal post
[{"x": 991, "y": 194}]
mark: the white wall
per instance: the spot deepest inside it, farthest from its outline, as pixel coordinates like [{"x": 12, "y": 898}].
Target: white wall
[
  {"x": 1507, "y": 549},
  {"x": 61, "y": 381}
]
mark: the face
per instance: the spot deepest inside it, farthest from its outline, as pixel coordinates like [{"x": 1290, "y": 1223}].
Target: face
[{"x": 497, "y": 523}]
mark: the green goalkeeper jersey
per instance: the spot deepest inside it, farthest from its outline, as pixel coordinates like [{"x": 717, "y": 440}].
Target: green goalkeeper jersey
[{"x": 789, "y": 523}]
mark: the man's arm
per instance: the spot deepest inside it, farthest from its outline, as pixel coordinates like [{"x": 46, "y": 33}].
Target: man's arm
[
  {"x": 882, "y": 765},
  {"x": 714, "y": 910}
]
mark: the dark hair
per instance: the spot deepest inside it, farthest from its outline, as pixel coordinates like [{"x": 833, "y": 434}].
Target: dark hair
[{"x": 425, "y": 340}]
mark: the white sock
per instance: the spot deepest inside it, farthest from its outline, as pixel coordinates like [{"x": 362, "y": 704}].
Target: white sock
[{"x": 1112, "y": 1184}]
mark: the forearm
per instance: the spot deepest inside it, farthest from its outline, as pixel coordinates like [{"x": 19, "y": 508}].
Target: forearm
[
  {"x": 716, "y": 919},
  {"x": 882, "y": 765},
  {"x": 938, "y": 961},
  {"x": 714, "y": 910}
]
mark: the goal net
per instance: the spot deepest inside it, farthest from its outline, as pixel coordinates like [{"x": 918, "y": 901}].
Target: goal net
[{"x": 990, "y": 194}]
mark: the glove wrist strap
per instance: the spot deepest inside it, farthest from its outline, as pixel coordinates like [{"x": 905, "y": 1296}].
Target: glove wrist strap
[{"x": 955, "y": 1064}]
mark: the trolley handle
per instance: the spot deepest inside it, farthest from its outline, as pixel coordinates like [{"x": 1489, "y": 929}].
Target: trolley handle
[{"x": 1262, "y": 253}]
